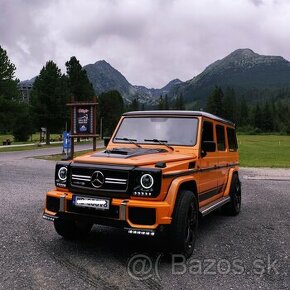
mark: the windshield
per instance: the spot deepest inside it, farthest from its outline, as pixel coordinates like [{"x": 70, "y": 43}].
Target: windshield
[{"x": 154, "y": 130}]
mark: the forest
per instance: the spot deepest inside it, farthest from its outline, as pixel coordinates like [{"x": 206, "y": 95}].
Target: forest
[{"x": 52, "y": 90}]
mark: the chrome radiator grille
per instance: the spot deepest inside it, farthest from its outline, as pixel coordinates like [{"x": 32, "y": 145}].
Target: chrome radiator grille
[{"x": 99, "y": 178}]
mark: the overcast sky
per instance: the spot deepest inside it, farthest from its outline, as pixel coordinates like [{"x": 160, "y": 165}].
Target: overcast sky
[{"x": 149, "y": 41}]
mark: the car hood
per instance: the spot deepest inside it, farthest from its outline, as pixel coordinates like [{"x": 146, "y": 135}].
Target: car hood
[{"x": 132, "y": 156}]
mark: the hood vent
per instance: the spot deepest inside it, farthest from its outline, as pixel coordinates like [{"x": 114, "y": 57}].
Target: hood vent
[{"x": 127, "y": 152}]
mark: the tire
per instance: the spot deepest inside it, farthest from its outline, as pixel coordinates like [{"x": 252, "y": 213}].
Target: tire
[
  {"x": 183, "y": 230},
  {"x": 234, "y": 206},
  {"x": 72, "y": 230}
]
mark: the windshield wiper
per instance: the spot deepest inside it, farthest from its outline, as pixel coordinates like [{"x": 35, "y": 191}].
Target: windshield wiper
[
  {"x": 132, "y": 141},
  {"x": 161, "y": 142}
]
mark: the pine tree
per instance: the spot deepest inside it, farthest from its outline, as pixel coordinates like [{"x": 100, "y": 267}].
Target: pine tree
[
  {"x": 166, "y": 103},
  {"x": 111, "y": 107},
  {"x": 8, "y": 83},
  {"x": 78, "y": 82},
  {"x": 48, "y": 99},
  {"x": 179, "y": 103},
  {"x": 230, "y": 104},
  {"x": 134, "y": 105},
  {"x": 10, "y": 108},
  {"x": 258, "y": 117},
  {"x": 267, "y": 118},
  {"x": 215, "y": 102},
  {"x": 161, "y": 103},
  {"x": 244, "y": 113}
]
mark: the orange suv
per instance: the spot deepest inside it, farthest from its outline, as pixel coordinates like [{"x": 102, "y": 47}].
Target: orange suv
[{"x": 159, "y": 172}]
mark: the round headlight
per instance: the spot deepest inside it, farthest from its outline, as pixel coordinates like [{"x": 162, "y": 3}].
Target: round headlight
[
  {"x": 147, "y": 181},
  {"x": 62, "y": 173}
]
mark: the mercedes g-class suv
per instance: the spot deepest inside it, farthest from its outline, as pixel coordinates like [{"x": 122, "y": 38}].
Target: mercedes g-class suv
[{"x": 160, "y": 171}]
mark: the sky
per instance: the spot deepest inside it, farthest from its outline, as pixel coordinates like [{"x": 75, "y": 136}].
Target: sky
[{"x": 149, "y": 41}]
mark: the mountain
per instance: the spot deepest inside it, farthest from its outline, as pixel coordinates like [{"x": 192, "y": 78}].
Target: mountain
[
  {"x": 249, "y": 73},
  {"x": 104, "y": 78},
  {"x": 252, "y": 75}
]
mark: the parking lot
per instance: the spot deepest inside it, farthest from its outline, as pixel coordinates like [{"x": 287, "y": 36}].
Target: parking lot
[{"x": 250, "y": 251}]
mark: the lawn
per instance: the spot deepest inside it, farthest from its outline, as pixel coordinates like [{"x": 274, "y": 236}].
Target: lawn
[
  {"x": 33, "y": 139},
  {"x": 264, "y": 150},
  {"x": 255, "y": 150}
]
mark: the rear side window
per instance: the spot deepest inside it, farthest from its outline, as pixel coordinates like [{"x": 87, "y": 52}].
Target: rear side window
[
  {"x": 220, "y": 136},
  {"x": 207, "y": 132},
  {"x": 232, "y": 139}
]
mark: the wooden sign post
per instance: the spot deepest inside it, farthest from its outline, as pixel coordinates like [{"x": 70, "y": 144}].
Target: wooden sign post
[{"x": 83, "y": 121}]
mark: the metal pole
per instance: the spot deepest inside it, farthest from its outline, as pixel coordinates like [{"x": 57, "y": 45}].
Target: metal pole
[{"x": 101, "y": 128}]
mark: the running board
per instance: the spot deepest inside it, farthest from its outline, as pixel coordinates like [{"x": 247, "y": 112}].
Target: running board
[{"x": 214, "y": 205}]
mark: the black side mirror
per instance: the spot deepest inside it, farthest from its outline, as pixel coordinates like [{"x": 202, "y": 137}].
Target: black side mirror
[
  {"x": 106, "y": 141},
  {"x": 208, "y": 146}
]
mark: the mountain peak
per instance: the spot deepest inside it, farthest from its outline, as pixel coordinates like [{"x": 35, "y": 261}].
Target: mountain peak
[
  {"x": 175, "y": 82},
  {"x": 102, "y": 61},
  {"x": 243, "y": 53},
  {"x": 243, "y": 58}
]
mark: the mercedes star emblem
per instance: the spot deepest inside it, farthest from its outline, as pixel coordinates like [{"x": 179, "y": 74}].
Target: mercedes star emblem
[{"x": 97, "y": 179}]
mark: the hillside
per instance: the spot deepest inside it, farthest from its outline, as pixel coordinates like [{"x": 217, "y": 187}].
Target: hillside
[
  {"x": 249, "y": 73},
  {"x": 104, "y": 78}
]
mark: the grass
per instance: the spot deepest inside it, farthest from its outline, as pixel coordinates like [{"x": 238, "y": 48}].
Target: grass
[
  {"x": 33, "y": 139},
  {"x": 28, "y": 147},
  {"x": 255, "y": 150},
  {"x": 264, "y": 151}
]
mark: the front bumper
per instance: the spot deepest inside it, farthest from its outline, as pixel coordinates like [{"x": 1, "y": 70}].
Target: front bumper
[{"x": 131, "y": 214}]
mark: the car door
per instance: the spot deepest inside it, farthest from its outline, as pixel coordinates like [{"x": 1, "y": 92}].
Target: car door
[
  {"x": 208, "y": 175},
  {"x": 223, "y": 157}
]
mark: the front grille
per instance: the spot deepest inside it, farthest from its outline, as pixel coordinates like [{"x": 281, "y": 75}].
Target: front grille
[
  {"x": 113, "y": 212},
  {"x": 99, "y": 178}
]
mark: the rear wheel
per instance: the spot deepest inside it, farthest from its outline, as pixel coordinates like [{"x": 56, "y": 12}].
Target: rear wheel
[
  {"x": 70, "y": 229},
  {"x": 234, "y": 206},
  {"x": 183, "y": 230}
]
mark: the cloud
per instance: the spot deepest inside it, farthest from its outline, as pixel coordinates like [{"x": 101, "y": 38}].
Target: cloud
[{"x": 149, "y": 41}]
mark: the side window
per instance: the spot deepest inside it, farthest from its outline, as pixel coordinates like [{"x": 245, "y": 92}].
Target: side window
[
  {"x": 232, "y": 139},
  {"x": 207, "y": 131},
  {"x": 220, "y": 136}
]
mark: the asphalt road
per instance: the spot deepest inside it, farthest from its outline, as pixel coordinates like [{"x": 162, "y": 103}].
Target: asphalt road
[{"x": 250, "y": 251}]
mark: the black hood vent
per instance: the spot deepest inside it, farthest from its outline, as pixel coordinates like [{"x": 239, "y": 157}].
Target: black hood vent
[{"x": 127, "y": 152}]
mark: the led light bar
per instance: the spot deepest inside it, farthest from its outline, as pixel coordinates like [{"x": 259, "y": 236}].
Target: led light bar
[
  {"x": 142, "y": 193},
  {"x": 141, "y": 232}
]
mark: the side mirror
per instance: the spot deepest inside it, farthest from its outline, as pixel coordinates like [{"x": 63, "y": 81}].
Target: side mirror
[
  {"x": 106, "y": 141},
  {"x": 208, "y": 146}
]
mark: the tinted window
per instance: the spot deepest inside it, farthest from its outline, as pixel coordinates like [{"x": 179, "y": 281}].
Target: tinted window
[
  {"x": 232, "y": 139},
  {"x": 169, "y": 130},
  {"x": 220, "y": 135},
  {"x": 207, "y": 132}
]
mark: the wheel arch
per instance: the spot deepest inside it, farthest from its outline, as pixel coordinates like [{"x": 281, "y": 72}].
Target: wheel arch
[
  {"x": 178, "y": 184},
  {"x": 232, "y": 172}
]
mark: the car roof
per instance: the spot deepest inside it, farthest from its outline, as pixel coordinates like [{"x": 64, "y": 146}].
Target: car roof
[{"x": 178, "y": 113}]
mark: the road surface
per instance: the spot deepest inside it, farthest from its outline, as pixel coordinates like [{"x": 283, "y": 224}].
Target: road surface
[{"x": 250, "y": 251}]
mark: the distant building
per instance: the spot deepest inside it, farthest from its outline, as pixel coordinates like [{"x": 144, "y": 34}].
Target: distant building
[{"x": 25, "y": 90}]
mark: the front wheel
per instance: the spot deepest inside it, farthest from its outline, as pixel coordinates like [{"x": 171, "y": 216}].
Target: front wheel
[
  {"x": 70, "y": 229},
  {"x": 183, "y": 230}
]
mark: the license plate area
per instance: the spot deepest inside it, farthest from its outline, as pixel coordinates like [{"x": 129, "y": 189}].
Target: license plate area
[{"x": 98, "y": 203}]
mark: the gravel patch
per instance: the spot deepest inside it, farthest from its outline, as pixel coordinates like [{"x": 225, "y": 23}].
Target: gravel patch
[{"x": 278, "y": 174}]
